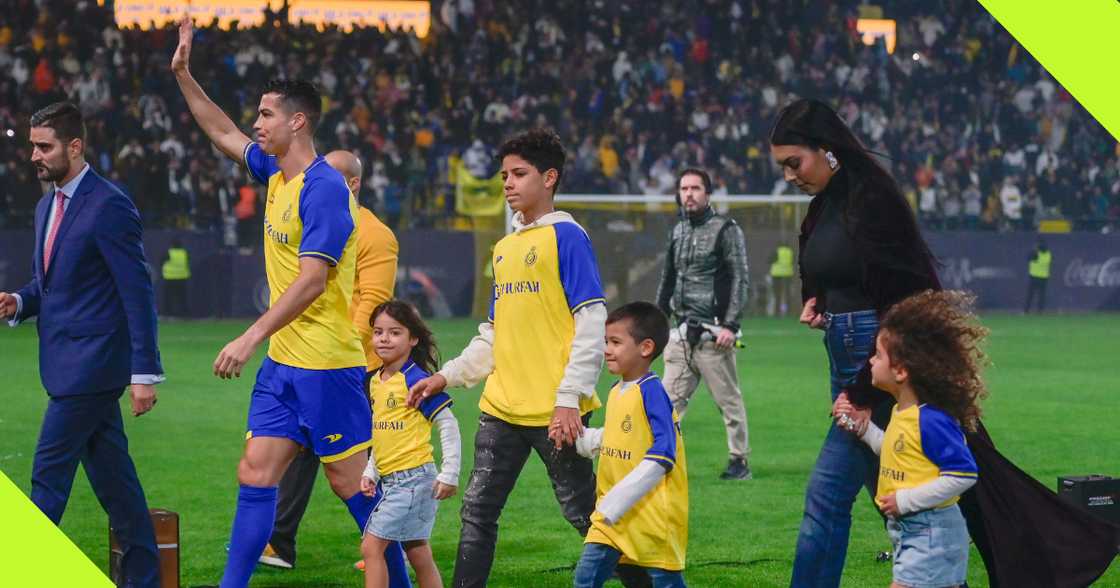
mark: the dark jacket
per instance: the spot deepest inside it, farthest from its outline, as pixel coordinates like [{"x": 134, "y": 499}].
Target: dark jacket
[
  {"x": 705, "y": 273},
  {"x": 895, "y": 260},
  {"x": 96, "y": 307}
]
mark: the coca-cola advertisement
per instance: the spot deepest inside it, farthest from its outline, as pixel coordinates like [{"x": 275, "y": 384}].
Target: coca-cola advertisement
[{"x": 1084, "y": 269}]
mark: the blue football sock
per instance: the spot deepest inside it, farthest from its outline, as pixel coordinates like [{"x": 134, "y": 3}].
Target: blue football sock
[
  {"x": 398, "y": 571},
  {"x": 360, "y": 507},
  {"x": 252, "y": 526}
]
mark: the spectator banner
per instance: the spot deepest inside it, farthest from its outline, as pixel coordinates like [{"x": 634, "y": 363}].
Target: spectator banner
[
  {"x": 478, "y": 197},
  {"x": 148, "y": 14},
  {"x": 346, "y": 14}
]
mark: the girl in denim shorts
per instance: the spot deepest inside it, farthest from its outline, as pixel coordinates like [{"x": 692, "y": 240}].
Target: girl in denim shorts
[
  {"x": 927, "y": 356},
  {"x": 401, "y": 460}
]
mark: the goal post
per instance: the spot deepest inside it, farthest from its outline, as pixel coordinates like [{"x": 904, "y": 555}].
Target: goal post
[{"x": 630, "y": 233}]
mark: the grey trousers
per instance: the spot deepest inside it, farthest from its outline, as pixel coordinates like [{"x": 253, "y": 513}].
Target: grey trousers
[{"x": 683, "y": 370}]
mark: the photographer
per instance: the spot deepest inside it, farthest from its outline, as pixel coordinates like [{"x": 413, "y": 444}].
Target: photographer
[{"x": 704, "y": 286}]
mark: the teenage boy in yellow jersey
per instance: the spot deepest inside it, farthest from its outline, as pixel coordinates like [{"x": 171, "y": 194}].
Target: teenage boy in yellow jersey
[
  {"x": 540, "y": 353},
  {"x": 309, "y": 389},
  {"x": 642, "y": 515},
  {"x": 375, "y": 277}
]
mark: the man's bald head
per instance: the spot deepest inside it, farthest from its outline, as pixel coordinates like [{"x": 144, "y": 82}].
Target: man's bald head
[{"x": 349, "y": 166}]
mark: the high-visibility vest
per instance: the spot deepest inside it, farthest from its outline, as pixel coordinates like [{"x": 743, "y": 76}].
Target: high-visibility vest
[
  {"x": 177, "y": 266},
  {"x": 783, "y": 265},
  {"x": 1040, "y": 265}
]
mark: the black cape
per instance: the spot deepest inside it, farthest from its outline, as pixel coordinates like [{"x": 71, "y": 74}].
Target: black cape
[{"x": 1026, "y": 535}]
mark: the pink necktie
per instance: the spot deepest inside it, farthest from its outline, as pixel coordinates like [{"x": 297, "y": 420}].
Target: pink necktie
[{"x": 59, "y": 209}]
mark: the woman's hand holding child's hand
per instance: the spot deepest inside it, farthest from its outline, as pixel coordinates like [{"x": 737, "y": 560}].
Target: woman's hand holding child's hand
[{"x": 848, "y": 417}]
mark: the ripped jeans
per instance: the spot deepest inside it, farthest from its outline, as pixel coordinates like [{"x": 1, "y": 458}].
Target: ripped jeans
[{"x": 500, "y": 452}]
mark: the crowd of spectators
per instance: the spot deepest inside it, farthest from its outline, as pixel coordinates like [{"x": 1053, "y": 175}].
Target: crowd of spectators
[{"x": 978, "y": 134}]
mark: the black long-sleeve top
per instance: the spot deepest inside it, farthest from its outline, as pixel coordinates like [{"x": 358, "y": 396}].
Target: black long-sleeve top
[{"x": 886, "y": 262}]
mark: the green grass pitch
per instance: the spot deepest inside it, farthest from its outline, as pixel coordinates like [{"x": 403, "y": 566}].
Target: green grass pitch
[{"x": 1055, "y": 397}]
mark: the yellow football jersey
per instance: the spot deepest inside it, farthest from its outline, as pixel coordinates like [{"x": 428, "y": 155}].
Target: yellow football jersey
[
  {"x": 402, "y": 435},
  {"x": 311, "y": 214},
  {"x": 921, "y": 443},
  {"x": 641, "y": 424},
  {"x": 542, "y": 276}
]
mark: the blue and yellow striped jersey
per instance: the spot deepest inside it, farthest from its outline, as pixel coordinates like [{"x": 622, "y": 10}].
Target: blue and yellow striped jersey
[
  {"x": 402, "y": 436},
  {"x": 641, "y": 424},
  {"x": 921, "y": 443},
  {"x": 542, "y": 276},
  {"x": 311, "y": 214}
]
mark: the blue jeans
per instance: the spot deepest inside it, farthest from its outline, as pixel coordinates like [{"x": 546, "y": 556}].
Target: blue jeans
[
  {"x": 599, "y": 561},
  {"x": 844, "y": 465}
]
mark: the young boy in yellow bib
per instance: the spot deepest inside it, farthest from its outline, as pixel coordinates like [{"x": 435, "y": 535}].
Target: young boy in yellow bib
[{"x": 641, "y": 517}]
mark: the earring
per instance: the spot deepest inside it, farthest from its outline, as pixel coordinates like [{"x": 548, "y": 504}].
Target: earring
[{"x": 832, "y": 162}]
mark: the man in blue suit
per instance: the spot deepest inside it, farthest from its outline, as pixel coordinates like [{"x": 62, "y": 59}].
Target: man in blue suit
[{"x": 97, "y": 334}]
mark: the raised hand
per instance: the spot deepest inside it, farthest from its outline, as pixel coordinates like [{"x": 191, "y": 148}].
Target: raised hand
[{"x": 181, "y": 60}]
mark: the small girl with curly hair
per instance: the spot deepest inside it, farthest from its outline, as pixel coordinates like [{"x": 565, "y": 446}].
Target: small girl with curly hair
[{"x": 927, "y": 356}]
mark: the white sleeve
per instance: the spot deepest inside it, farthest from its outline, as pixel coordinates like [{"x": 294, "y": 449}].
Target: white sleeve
[
  {"x": 474, "y": 363},
  {"x": 585, "y": 361},
  {"x": 931, "y": 494},
  {"x": 371, "y": 469},
  {"x": 450, "y": 444},
  {"x": 873, "y": 437},
  {"x": 14, "y": 321},
  {"x": 589, "y": 442},
  {"x": 625, "y": 494}
]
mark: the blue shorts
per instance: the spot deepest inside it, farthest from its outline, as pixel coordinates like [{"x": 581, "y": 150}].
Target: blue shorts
[
  {"x": 326, "y": 410},
  {"x": 407, "y": 511},
  {"x": 930, "y": 548}
]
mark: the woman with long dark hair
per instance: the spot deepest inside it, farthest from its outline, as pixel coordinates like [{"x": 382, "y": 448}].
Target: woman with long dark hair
[{"x": 861, "y": 252}]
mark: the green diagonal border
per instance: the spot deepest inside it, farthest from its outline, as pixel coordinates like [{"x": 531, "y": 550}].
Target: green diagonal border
[
  {"x": 1077, "y": 43},
  {"x": 34, "y": 552}
]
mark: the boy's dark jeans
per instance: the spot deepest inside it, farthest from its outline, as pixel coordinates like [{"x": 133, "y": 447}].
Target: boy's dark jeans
[{"x": 500, "y": 452}]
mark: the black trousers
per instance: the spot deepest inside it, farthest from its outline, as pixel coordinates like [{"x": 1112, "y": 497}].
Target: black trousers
[
  {"x": 500, "y": 452},
  {"x": 1036, "y": 289},
  {"x": 175, "y": 298}
]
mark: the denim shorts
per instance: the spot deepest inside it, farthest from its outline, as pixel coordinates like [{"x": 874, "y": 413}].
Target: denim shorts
[
  {"x": 407, "y": 511},
  {"x": 930, "y": 548}
]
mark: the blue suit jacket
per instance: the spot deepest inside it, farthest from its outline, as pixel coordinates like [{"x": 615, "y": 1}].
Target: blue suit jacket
[{"x": 96, "y": 307}]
